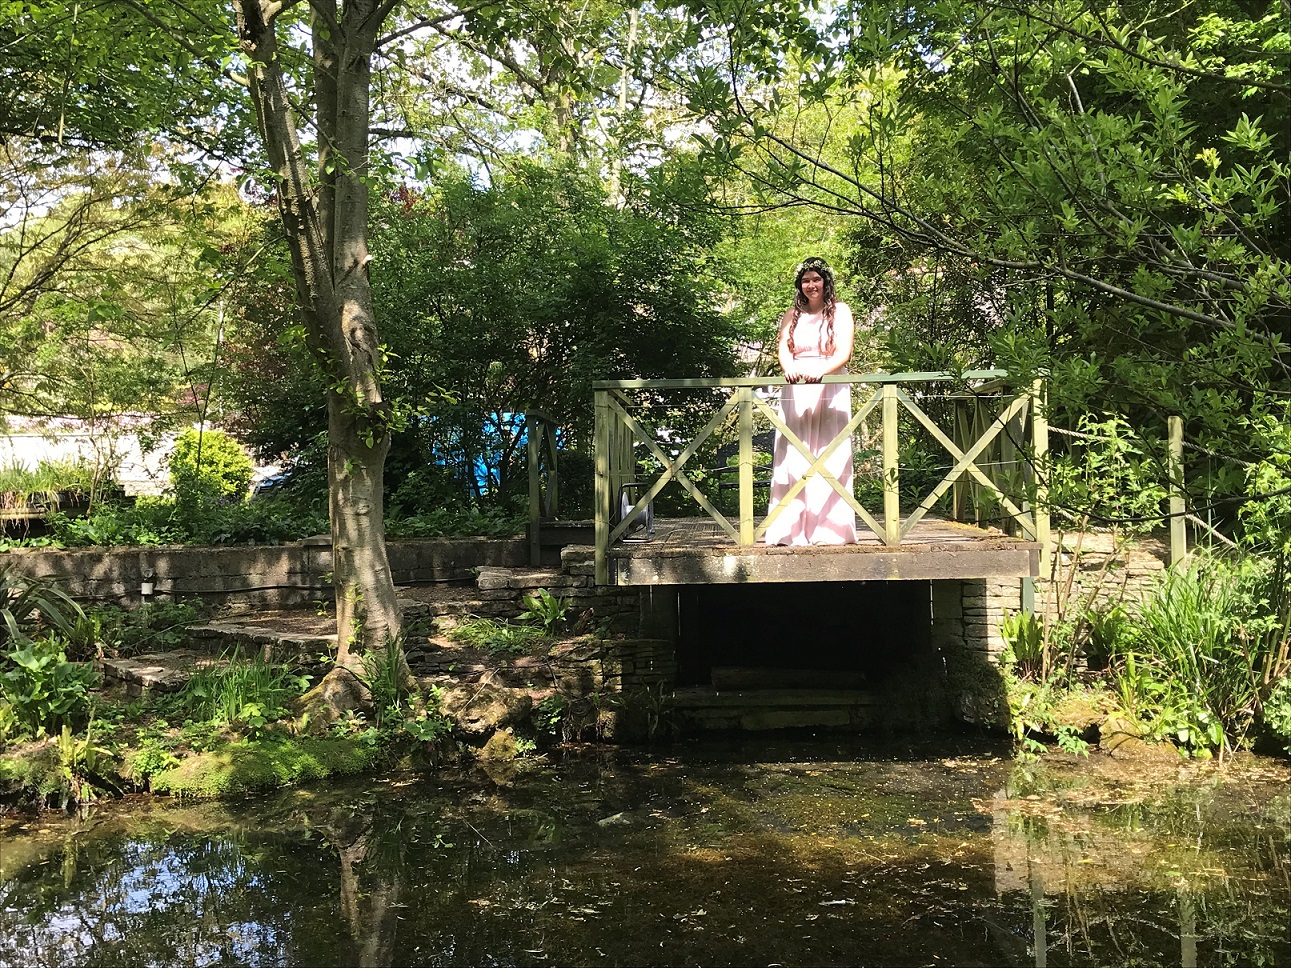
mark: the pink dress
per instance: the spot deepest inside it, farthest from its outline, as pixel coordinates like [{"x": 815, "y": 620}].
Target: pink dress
[{"x": 817, "y": 413}]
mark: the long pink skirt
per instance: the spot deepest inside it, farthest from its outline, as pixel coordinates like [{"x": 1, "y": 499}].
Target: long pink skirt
[{"x": 817, "y": 515}]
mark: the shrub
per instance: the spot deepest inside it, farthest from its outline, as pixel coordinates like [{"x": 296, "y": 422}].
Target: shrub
[{"x": 209, "y": 465}]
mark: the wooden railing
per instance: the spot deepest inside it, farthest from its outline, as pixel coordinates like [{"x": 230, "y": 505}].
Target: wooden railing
[
  {"x": 985, "y": 424},
  {"x": 544, "y": 477}
]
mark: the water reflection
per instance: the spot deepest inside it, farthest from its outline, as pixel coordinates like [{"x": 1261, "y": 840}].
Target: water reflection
[{"x": 733, "y": 855}]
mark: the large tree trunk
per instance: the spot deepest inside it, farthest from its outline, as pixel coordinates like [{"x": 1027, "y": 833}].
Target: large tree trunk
[{"x": 325, "y": 220}]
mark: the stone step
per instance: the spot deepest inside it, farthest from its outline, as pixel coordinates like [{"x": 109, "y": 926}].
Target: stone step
[
  {"x": 273, "y": 645},
  {"x": 750, "y": 677},
  {"x": 156, "y": 672},
  {"x": 755, "y": 710},
  {"x": 518, "y": 579}
]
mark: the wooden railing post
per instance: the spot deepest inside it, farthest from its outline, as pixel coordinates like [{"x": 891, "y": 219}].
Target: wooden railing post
[
  {"x": 1040, "y": 441},
  {"x": 553, "y": 471},
  {"x": 533, "y": 449},
  {"x": 746, "y": 466},
  {"x": 1178, "y": 507},
  {"x": 891, "y": 469},
  {"x": 601, "y": 434}
]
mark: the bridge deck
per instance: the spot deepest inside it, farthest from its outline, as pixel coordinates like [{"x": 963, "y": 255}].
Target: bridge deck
[{"x": 687, "y": 551}]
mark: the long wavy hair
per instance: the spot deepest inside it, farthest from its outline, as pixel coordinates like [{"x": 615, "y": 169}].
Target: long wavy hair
[{"x": 818, "y": 265}]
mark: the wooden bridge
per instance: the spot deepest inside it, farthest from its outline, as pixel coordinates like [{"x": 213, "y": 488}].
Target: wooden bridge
[{"x": 673, "y": 444}]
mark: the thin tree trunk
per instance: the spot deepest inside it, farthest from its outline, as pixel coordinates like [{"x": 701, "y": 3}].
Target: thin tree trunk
[{"x": 326, "y": 227}]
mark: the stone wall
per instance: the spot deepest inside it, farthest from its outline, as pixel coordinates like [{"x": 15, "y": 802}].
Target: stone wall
[
  {"x": 1096, "y": 569},
  {"x": 500, "y": 593},
  {"x": 966, "y": 617},
  {"x": 294, "y": 573}
]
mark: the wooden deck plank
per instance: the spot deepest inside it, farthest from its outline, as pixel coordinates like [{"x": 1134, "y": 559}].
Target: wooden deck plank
[{"x": 696, "y": 551}]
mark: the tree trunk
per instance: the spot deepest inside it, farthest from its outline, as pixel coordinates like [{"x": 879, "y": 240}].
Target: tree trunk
[{"x": 325, "y": 220}]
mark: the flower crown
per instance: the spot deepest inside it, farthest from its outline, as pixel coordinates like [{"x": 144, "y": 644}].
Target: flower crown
[{"x": 813, "y": 264}]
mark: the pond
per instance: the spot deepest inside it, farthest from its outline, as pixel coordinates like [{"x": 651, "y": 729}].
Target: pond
[{"x": 794, "y": 851}]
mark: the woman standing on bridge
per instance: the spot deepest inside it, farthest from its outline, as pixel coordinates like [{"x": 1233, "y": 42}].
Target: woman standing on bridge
[{"x": 815, "y": 342}]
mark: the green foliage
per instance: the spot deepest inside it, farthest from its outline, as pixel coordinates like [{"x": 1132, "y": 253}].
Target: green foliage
[
  {"x": 149, "y": 758},
  {"x": 1205, "y": 653},
  {"x": 1110, "y": 630},
  {"x": 266, "y": 520},
  {"x": 1024, "y": 638},
  {"x": 1070, "y": 741},
  {"x": 41, "y": 689},
  {"x": 440, "y": 522},
  {"x": 1112, "y": 477},
  {"x": 1276, "y": 712},
  {"x": 208, "y": 465},
  {"x": 386, "y": 673},
  {"x": 47, "y": 484},
  {"x": 84, "y": 638},
  {"x": 1040, "y": 225},
  {"x": 499, "y": 637},
  {"x": 1266, "y": 521},
  {"x": 29, "y": 607},
  {"x": 545, "y": 609},
  {"x": 159, "y": 521},
  {"x": 549, "y": 714},
  {"x": 239, "y": 693},
  {"x": 429, "y": 724},
  {"x": 537, "y": 288}
]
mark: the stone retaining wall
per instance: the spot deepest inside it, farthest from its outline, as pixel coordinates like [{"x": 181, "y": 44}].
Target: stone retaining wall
[
  {"x": 500, "y": 593},
  {"x": 1096, "y": 570},
  {"x": 966, "y": 617},
  {"x": 295, "y": 573}
]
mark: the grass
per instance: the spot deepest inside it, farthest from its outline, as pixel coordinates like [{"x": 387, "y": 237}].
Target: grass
[
  {"x": 499, "y": 638},
  {"x": 247, "y": 694}
]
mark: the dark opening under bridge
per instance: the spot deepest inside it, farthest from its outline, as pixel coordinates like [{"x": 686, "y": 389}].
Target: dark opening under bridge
[{"x": 980, "y": 514}]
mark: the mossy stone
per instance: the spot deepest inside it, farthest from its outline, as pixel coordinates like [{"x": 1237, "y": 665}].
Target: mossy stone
[{"x": 264, "y": 764}]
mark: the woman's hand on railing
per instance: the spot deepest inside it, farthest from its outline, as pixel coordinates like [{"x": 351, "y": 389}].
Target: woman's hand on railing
[{"x": 801, "y": 376}]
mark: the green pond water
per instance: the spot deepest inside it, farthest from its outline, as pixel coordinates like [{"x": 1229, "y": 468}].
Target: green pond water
[{"x": 756, "y": 852}]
